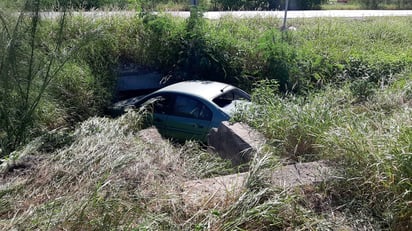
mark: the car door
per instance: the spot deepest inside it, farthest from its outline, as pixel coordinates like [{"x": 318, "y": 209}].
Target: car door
[
  {"x": 189, "y": 119},
  {"x": 160, "y": 106}
]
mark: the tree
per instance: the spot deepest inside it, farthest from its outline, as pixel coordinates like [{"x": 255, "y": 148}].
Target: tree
[
  {"x": 370, "y": 4},
  {"x": 28, "y": 64},
  {"x": 268, "y": 4}
]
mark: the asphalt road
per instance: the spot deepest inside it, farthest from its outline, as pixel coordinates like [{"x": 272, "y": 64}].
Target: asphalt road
[{"x": 250, "y": 14}]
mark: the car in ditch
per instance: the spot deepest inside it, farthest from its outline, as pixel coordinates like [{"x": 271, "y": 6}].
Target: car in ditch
[{"x": 188, "y": 110}]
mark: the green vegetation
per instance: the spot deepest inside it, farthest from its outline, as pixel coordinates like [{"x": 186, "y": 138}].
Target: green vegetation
[
  {"x": 164, "y": 5},
  {"x": 27, "y": 68},
  {"x": 367, "y": 4},
  {"x": 368, "y": 137},
  {"x": 337, "y": 90}
]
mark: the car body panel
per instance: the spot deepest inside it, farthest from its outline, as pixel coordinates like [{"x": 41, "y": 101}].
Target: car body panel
[
  {"x": 160, "y": 121},
  {"x": 181, "y": 128}
]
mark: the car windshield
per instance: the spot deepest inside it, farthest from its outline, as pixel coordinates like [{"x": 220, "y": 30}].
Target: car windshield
[{"x": 228, "y": 97}]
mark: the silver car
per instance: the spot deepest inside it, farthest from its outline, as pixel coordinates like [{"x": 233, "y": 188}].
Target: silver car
[{"x": 189, "y": 109}]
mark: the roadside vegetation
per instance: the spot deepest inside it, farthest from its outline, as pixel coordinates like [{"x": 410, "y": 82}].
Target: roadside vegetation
[
  {"x": 213, "y": 5},
  {"x": 337, "y": 90},
  {"x": 366, "y": 4}
]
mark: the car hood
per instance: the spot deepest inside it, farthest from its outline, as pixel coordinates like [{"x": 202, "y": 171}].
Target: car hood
[
  {"x": 127, "y": 102},
  {"x": 119, "y": 108}
]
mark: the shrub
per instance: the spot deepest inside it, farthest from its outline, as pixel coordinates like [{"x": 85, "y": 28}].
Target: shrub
[
  {"x": 98, "y": 50},
  {"x": 204, "y": 54},
  {"x": 268, "y": 4},
  {"x": 362, "y": 89},
  {"x": 160, "y": 41},
  {"x": 279, "y": 60},
  {"x": 27, "y": 68},
  {"x": 75, "y": 92}
]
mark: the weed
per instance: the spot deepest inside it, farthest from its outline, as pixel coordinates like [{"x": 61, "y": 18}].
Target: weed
[{"x": 362, "y": 89}]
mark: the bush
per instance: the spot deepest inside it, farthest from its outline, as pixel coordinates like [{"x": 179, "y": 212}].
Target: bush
[
  {"x": 268, "y": 4},
  {"x": 85, "y": 4},
  {"x": 205, "y": 56},
  {"x": 370, "y": 4},
  {"x": 27, "y": 68},
  {"x": 160, "y": 42},
  {"x": 75, "y": 92},
  {"x": 99, "y": 49},
  {"x": 280, "y": 60},
  {"x": 362, "y": 89}
]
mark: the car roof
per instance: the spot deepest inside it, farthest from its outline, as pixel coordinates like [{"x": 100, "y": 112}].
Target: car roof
[{"x": 203, "y": 89}]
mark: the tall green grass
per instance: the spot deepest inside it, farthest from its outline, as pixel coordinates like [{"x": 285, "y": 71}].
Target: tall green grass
[
  {"x": 27, "y": 67},
  {"x": 368, "y": 141}
]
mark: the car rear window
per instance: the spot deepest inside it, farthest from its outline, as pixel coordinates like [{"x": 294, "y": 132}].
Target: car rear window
[{"x": 230, "y": 96}]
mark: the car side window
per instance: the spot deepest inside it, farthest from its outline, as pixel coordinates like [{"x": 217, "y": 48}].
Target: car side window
[
  {"x": 228, "y": 97},
  {"x": 191, "y": 108},
  {"x": 160, "y": 104}
]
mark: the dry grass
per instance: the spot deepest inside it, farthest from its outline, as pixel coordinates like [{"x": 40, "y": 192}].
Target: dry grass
[{"x": 106, "y": 178}]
